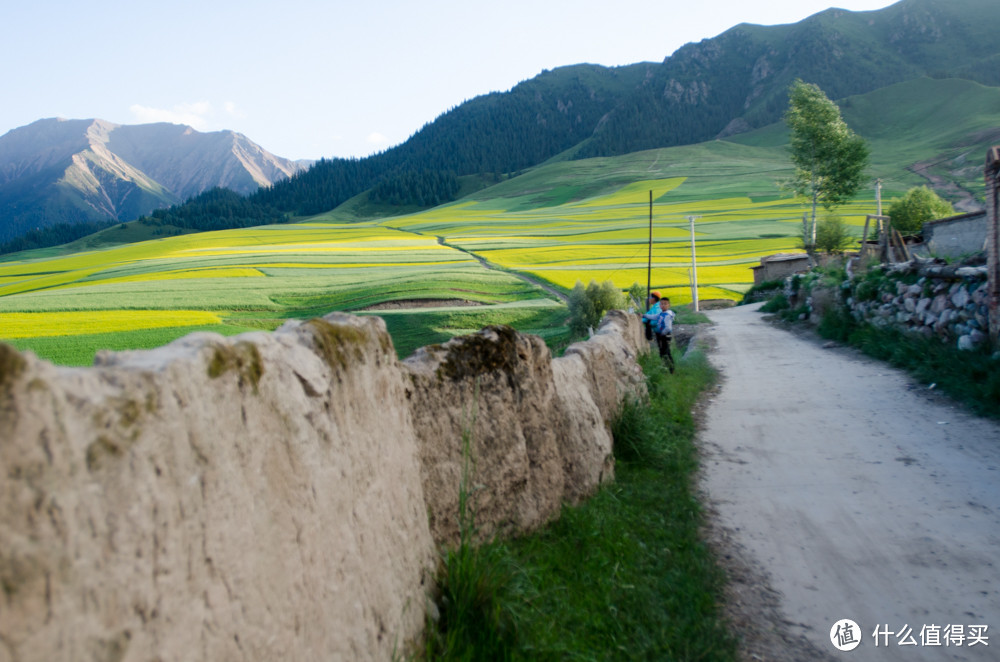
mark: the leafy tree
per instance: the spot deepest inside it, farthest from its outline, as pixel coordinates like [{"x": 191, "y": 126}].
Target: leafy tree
[
  {"x": 918, "y": 206},
  {"x": 637, "y": 294},
  {"x": 587, "y": 305},
  {"x": 605, "y": 297},
  {"x": 581, "y": 310},
  {"x": 829, "y": 158}
]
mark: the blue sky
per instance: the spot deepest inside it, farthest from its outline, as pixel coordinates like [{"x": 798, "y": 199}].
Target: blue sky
[{"x": 307, "y": 79}]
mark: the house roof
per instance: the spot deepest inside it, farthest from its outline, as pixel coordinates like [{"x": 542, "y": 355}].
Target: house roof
[
  {"x": 960, "y": 217},
  {"x": 784, "y": 257}
]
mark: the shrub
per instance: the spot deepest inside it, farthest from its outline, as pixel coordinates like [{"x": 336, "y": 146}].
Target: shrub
[
  {"x": 777, "y": 304},
  {"x": 795, "y": 314},
  {"x": 587, "y": 305},
  {"x": 637, "y": 294},
  {"x": 765, "y": 290},
  {"x": 832, "y": 235},
  {"x": 918, "y": 206},
  {"x": 837, "y": 324},
  {"x": 634, "y": 437}
]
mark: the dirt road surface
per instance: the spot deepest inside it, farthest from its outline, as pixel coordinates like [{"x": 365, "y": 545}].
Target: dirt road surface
[{"x": 848, "y": 491}]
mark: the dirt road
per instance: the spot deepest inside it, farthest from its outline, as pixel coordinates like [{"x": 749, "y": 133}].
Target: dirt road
[{"x": 857, "y": 492}]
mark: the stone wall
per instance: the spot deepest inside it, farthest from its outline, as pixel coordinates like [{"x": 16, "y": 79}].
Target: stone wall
[
  {"x": 924, "y": 297},
  {"x": 283, "y": 495}
]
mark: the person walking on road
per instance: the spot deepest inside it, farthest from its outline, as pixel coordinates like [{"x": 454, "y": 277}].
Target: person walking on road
[
  {"x": 662, "y": 323},
  {"x": 654, "y": 309}
]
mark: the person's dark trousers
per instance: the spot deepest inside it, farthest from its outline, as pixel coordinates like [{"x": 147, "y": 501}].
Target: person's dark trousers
[{"x": 663, "y": 341}]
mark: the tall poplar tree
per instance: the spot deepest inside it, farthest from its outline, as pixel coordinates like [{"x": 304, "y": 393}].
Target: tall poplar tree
[{"x": 829, "y": 158}]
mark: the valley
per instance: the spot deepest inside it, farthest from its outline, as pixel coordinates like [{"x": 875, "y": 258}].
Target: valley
[
  {"x": 559, "y": 223},
  {"x": 246, "y": 488},
  {"x": 255, "y": 278}
]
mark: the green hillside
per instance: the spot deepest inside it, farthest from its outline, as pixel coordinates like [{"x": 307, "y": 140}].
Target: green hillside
[
  {"x": 714, "y": 89},
  {"x": 739, "y": 80},
  {"x": 948, "y": 124},
  {"x": 481, "y": 259}
]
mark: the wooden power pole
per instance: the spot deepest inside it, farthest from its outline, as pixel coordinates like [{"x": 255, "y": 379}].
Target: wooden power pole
[
  {"x": 694, "y": 267},
  {"x": 649, "y": 264}
]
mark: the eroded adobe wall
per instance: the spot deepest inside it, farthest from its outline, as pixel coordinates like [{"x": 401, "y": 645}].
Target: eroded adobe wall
[
  {"x": 215, "y": 499},
  {"x": 537, "y": 427},
  {"x": 283, "y": 495}
]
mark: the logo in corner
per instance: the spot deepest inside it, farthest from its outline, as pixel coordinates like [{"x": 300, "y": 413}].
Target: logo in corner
[{"x": 845, "y": 635}]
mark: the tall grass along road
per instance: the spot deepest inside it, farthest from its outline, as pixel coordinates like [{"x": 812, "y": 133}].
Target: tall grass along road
[
  {"x": 861, "y": 494},
  {"x": 622, "y": 576}
]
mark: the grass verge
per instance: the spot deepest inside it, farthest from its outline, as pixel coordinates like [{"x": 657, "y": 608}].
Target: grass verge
[
  {"x": 622, "y": 576},
  {"x": 81, "y": 350},
  {"x": 971, "y": 377}
]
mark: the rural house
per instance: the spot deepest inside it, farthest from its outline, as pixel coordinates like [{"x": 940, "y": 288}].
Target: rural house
[{"x": 776, "y": 266}]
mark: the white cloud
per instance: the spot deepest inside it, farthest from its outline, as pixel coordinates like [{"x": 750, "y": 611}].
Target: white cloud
[
  {"x": 192, "y": 114},
  {"x": 233, "y": 111},
  {"x": 377, "y": 138}
]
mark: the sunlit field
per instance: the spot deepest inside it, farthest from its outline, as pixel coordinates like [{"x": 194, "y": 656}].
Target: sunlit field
[
  {"x": 560, "y": 224},
  {"x": 231, "y": 281},
  {"x": 607, "y": 237}
]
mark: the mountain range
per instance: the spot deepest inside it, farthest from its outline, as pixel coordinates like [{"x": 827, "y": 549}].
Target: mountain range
[
  {"x": 733, "y": 83},
  {"x": 717, "y": 88},
  {"x": 70, "y": 171}
]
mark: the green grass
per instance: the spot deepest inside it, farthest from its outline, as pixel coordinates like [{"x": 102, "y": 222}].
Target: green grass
[
  {"x": 920, "y": 120},
  {"x": 970, "y": 377},
  {"x": 414, "y": 328},
  {"x": 80, "y": 350},
  {"x": 623, "y": 576},
  {"x": 410, "y": 329}
]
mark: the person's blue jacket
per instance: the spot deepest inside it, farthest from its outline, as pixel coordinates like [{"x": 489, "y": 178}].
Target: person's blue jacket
[{"x": 662, "y": 320}]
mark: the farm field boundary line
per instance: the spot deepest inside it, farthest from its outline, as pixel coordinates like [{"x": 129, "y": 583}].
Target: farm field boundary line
[{"x": 488, "y": 265}]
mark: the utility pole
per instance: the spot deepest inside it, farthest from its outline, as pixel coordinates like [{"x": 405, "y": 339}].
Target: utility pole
[
  {"x": 694, "y": 267},
  {"x": 649, "y": 264},
  {"x": 878, "y": 197}
]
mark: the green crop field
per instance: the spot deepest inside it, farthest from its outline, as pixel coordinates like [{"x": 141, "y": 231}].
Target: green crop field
[
  {"x": 145, "y": 294},
  {"x": 606, "y": 236},
  {"x": 562, "y": 222}
]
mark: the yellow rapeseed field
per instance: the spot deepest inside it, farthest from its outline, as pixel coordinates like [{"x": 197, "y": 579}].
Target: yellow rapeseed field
[
  {"x": 81, "y": 322},
  {"x": 316, "y": 266}
]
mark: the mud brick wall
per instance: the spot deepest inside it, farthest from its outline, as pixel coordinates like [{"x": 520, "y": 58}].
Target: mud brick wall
[{"x": 280, "y": 495}]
